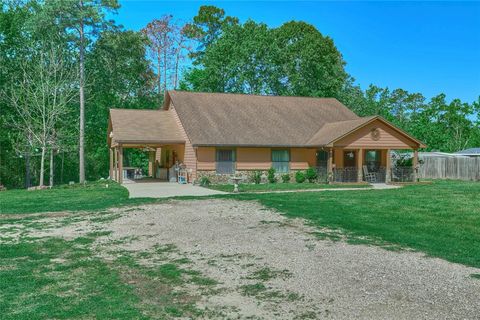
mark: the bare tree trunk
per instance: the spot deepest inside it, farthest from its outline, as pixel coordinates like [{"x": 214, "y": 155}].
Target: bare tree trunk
[
  {"x": 27, "y": 170},
  {"x": 159, "y": 74},
  {"x": 61, "y": 171},
  {"x": 175, "y": 81},
  {"x": 42, "y": 167},
  {"x": 51, "y": 168},
  {"x": 82, "y": 103},
  {"x": 164, "y": 69}
]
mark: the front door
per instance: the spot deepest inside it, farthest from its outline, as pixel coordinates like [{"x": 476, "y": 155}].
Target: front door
[{"x": 349, "y": 159}]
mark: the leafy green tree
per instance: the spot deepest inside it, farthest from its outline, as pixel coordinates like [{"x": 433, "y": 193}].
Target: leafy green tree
[
  {"x": 82, "y": 20},
  {"x": 207, "y": 26},
  {"x": 120, "y": 77},
  {"x": 294, "y": 59},
  {"x": 310, "y": 64}
]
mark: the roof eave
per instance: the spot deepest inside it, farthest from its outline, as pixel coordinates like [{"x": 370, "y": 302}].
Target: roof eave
[{"x": 150, "y": 141}]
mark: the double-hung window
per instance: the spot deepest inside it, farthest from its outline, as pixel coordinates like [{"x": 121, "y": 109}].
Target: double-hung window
[
  {"x": 225, "y": 161},
  {"x": 281, "y": 160}
]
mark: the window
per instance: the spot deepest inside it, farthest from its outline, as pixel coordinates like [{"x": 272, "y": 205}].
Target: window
[
  {"x": 225, "y": 161},
  {"x": 281, "y": 160}
]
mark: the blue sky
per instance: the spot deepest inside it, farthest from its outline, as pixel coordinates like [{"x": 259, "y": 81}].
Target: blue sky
[{"x": 426, "y": 47}]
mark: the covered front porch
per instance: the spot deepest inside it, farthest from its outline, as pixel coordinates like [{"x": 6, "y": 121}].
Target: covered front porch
[{"x": 373, "y": 165}]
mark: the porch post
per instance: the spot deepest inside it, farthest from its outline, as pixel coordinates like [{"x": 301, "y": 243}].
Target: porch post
[
  {"x": 115, "y": 164},
  {"x": 359, "y": 165},
  {"x": 120, "y": 164},
  {"x": 150, "y": 163},
  {"x": 111, "y": 163},
  {"x": 388, "y": 166},
  {"x": 330, "y": 166},
  {"x": 415, "y": 165}
]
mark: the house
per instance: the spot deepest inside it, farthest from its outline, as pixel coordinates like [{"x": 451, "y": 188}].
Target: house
[
  {"x": 472, "y": 152},
  {"x": 219, "y": 134}
]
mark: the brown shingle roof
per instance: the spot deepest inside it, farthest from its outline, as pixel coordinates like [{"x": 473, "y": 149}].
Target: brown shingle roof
[
  {"x": 252, "y": 120},
  {"x": 147, "y": 126},
  {"x": 333, "y": 130}
]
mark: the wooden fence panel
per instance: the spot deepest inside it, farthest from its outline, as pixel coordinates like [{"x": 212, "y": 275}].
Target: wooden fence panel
[{"x": 450, "y": 168}]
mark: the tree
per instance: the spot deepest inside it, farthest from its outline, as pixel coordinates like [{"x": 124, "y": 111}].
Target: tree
[
  {"x": 294, "y": 59},
  {"x": 207, "y": 27},
  {"x": 120, "y": 77},
  {"x": 167, "y": 46},
  {"x": 159, "y": 33},
  {"x": 41, "y": 97},
  {"x": 181, "y": 45},
  {"x": 82, "y": 19},
  {"x": 310, "y": 63}
]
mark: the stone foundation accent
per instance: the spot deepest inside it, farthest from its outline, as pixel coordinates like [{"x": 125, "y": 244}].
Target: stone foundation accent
[{"x": 246, "y": 175}]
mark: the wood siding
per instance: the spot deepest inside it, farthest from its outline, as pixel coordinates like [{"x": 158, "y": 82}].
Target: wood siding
[
  {"x": 338, "y": 158},
  {"x": 389, "y": 138},
  {"x": 205, "y": 158},
  {"x": 302, "y": 158},
  {"x": 189, "y": 156},
  {"x": 254, "y": 158},
  {"x": 257, "y": 158}
]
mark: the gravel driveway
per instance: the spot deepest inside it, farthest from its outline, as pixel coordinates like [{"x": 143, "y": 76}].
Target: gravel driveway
[
  {"x": 233, "y": 241},
  {"x": 271, "y": 267}
]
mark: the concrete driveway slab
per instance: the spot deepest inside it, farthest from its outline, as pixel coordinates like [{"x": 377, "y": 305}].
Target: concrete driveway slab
[{"x": 166, "y": 190}]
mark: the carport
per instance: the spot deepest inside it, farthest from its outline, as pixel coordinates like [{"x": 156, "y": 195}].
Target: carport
[{"x": 153, "y": 131}]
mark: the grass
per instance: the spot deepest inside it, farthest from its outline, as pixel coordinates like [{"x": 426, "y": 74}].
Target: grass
[
  {"x": 441, "y": 219},
  {"x": 80, "y": 286},
  {"x": 89, "y": 197},
  {"x": 52, "y": 278},
  {"x": 282, "y": 186}
]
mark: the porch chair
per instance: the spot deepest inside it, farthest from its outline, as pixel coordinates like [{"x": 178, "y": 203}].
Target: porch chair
[{"x": 369, "y": 176}]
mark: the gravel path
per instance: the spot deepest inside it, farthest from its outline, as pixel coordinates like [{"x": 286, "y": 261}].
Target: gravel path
[{"x": 233, "y": 241}]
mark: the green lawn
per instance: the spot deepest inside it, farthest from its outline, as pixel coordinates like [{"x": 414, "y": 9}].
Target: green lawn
[
  {"x": 441, "y": 219},
  {"x": 282, "y": 186},
  {"x": 92, "y": 196},
  {"x": 58, "y": 278}
]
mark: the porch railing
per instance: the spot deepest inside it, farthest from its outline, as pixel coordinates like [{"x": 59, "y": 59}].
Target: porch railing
[
  {"x": 348, "y": 174},
  {"x": 322, "y": 174},
  {"x": 402, "y": 174},
  {"x": 381, "y": 173}
]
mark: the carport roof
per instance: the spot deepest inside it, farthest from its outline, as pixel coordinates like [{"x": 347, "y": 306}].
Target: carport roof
[{"x": 133, "y": 126}]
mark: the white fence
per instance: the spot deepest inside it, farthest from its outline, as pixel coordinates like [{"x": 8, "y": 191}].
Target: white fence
[{"x": 462, "y": 168}]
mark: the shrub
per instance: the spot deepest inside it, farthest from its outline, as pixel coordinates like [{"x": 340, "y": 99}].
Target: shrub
[
  {"x": 299, "y": 177},
  {"x": 311, "y": 174},
  {"x": 285, "y": 178},
  {"x": 256, "y": 177},
  {"x": 204, "y": 181},
  {"x": 271, "y": 175}
]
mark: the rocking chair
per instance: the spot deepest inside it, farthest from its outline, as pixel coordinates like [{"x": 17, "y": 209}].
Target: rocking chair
[{"x": 370, "y": 177}]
